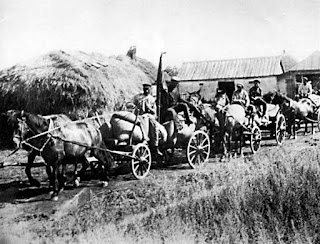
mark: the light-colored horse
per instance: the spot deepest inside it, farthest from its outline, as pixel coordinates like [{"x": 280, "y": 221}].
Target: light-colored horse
[
  {"x": 231, "y": 123},
  {"x": 303, "y": 110}
]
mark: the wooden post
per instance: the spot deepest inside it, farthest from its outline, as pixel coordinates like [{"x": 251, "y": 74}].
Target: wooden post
[{"x": 159, "y": 87}]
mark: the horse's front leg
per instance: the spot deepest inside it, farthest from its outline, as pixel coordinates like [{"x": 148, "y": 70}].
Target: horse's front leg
[
  {"x": 29, "y": 165},
  {"x": 224, "y": 147},
  {"x": 294, "y": 126},
  {"x": 54, "y": 196},
  {"x": 241, "y": 141},
  {"x": 50, "y": 175}
]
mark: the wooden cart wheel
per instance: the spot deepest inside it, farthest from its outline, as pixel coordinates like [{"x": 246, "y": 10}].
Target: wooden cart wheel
[
  {"x": 280, "y": 129},
  {"x": 141, "y": 163},
  {"x": 198, "y": 149},
  {"x": 255, "y": 139}
]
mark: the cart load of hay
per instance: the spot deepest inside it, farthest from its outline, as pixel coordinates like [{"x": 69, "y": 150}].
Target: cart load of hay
[{"x": 73, "y": 83}]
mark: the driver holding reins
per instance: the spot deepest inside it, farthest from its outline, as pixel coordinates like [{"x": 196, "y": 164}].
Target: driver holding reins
[{"x": 255, "y": 96}]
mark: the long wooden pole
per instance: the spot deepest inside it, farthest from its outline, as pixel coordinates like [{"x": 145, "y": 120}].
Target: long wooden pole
[{"x": 159, "y": 88}]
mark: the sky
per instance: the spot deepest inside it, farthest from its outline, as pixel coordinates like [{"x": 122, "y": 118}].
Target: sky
[{"x": 187, "y": 30}]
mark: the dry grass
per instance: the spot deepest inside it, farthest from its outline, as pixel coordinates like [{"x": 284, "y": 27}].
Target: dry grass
[{"x": 262, "y": 199}]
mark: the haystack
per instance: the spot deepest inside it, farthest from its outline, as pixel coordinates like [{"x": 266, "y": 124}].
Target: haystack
[{"x": 73, "y": 82}]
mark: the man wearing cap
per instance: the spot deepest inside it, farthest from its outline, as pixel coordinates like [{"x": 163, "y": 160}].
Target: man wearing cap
[
  {"x": 145, "y": 102},
  {"x": 305, "y": 88},
  {"x": 240, "y": 96},
  {"x": 255, "y": 96},
  {"x": 146, "y": 105}
]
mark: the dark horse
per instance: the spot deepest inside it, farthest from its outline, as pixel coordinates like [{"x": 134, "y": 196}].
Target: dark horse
[
  {"x": 67, "y": 142},
  {"x": 50, "y": 122}
]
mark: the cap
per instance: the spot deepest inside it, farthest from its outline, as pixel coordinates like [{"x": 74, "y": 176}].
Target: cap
[
  {"x": 240, "y": 85},
  {"x": 305, "y": 78},
  {"x": 146, "y": 85},
  {"x": 256, "y": 81}
]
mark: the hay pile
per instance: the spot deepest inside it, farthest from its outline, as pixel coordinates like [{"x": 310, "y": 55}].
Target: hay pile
[{"x": 73, "y": 82}]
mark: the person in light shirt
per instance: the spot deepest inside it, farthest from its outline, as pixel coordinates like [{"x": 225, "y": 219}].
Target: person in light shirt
[
  {"x": 146, "y": 104},
  {"x": 305, "y": 88},
  {"x": 240, "y": 96}
]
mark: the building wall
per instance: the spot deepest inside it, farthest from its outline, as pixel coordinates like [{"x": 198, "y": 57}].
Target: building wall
[
  {"x": 287, "y": 84},
  {"x": 210, "y": 86}
]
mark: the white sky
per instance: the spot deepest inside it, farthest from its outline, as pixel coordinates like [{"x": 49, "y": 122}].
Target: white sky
[{"x": 188, "y": 30}]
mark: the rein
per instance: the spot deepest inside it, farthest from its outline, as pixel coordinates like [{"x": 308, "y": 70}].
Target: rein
[{"x": 90, "y": 147}]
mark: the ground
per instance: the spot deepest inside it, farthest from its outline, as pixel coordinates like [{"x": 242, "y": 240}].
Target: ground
[{"x": 23, "y": 206}]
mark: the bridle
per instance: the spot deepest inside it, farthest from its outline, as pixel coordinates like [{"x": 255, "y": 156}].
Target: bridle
[{"x": 24, "y": 129}]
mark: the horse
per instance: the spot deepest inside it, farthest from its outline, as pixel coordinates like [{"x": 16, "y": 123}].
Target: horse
[
  {"x": 232, "y": 119},
  {"x": 51, "y": 121},
  {"x": 301, "y": 110},
  {"x": 68, "y": 142}
]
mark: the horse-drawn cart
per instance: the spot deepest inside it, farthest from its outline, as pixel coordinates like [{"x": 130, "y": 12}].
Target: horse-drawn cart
[
  {"x": 138, "y": 155},
  {"x": 275, "y": 125},
  {"x": 196, "y": 144}
]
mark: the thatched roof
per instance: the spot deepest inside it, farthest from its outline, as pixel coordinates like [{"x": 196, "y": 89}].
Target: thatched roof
[{"x": 76, "y": 82}]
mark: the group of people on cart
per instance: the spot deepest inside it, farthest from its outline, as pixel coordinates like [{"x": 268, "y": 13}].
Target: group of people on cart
[
  {"x": 242, "y": 97},
  {"x": 145, "y": 102}
]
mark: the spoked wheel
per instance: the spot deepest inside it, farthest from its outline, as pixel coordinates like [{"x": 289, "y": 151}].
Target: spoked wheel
[
  {"x": 141, "y": 163},
  {"x": 198, "y": 149},
  {"x": 281, "y": 129},
  {"x": 255, "y": 139}
]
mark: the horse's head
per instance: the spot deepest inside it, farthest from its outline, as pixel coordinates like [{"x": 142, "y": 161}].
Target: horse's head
[
  {"x": 195, "y": 99},
  {"x": 20, "y": 128},
  {"x": 279, "y": 99},
  {"x": 268, "y": 97},
  {"x": 26, "y": 125}
]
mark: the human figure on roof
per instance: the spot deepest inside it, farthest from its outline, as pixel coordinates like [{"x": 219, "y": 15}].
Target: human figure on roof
[
  {"x": 255, "y": 96},
  {"x": 132, "y": 53},
  {"x": 146, "y": 105}
]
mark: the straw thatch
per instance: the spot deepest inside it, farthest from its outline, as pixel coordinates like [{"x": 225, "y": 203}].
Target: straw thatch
[{"x": 73, "y": 82}]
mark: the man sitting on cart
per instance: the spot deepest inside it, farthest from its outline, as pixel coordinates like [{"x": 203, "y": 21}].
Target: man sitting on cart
[
  {"x": 240, "y": 96},
  {"x": 146, "y": 106},
  {"x": 305, "y": 88},
  {"x": 255, "y": 96},
  {"x": 174, "y": 104}
]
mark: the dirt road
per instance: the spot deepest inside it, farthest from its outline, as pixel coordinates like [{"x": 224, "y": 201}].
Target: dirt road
[{"x": 22, "y": 206}]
